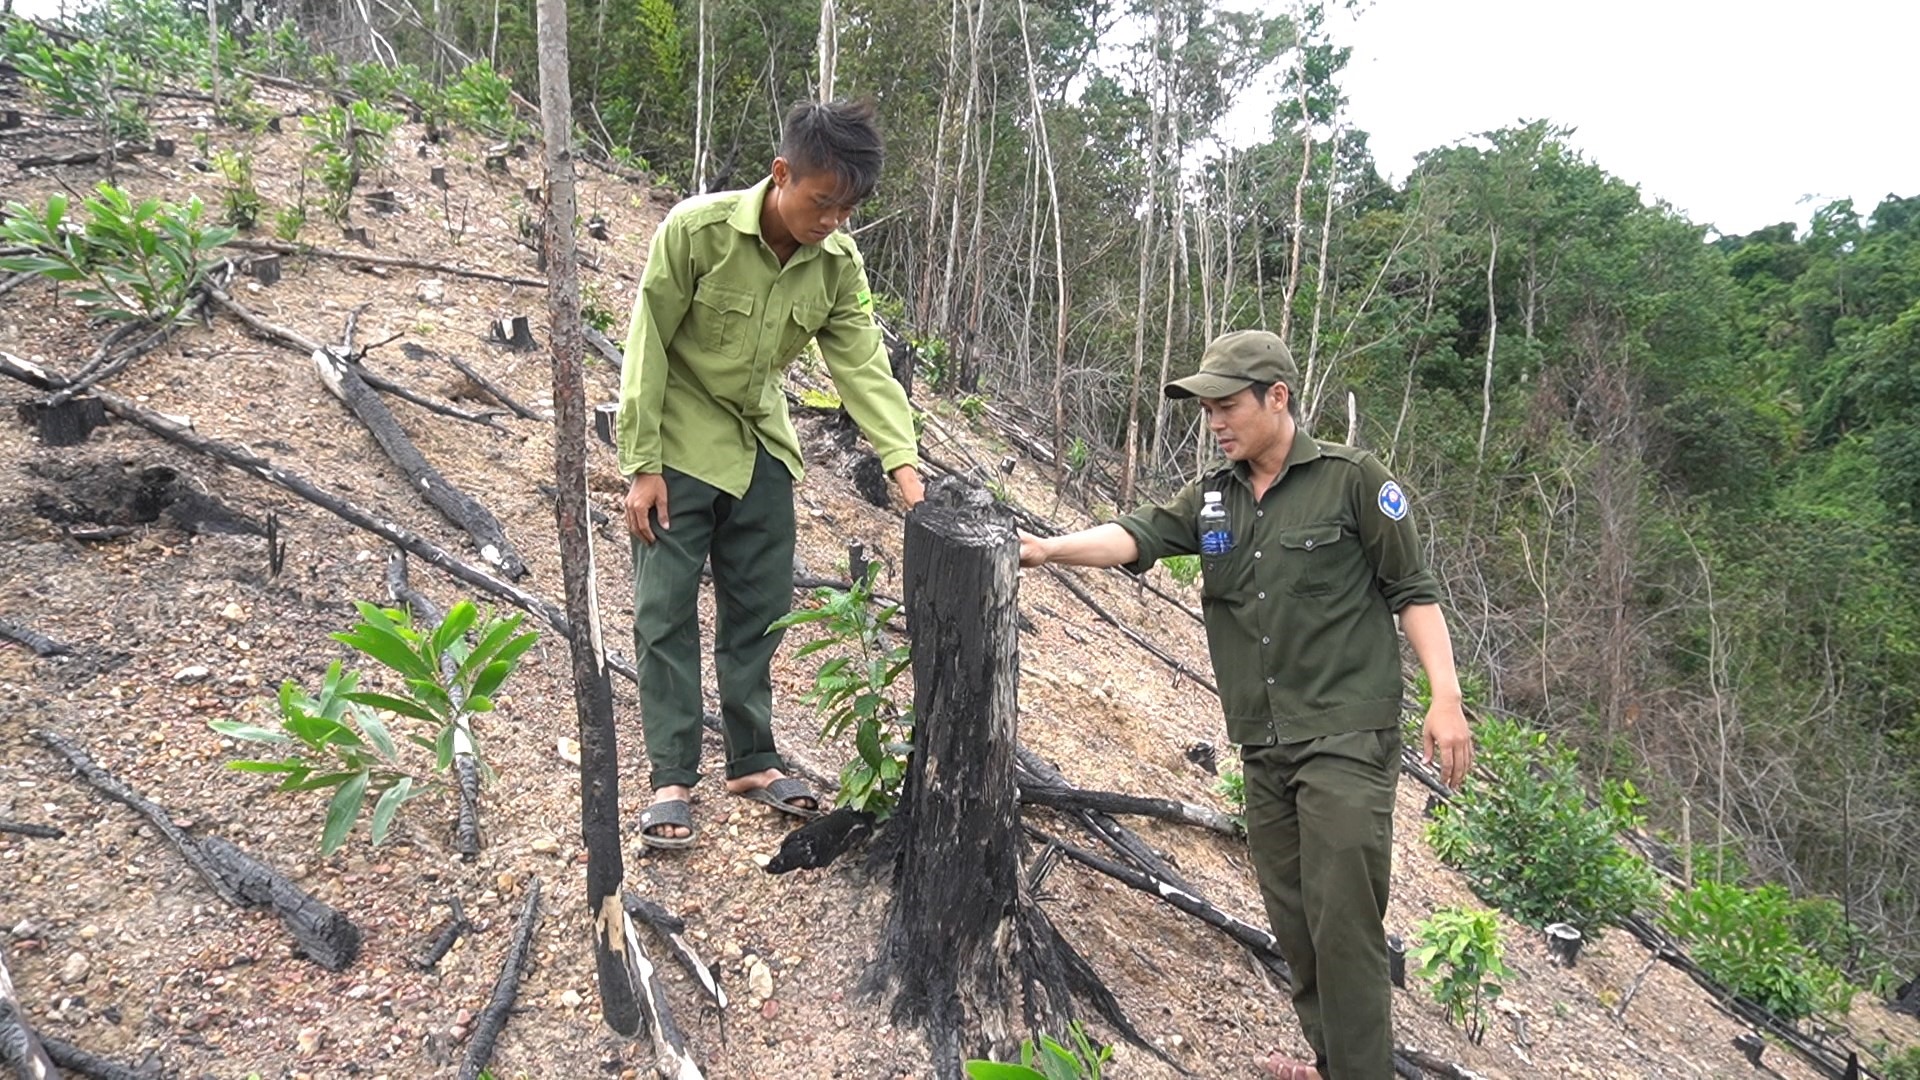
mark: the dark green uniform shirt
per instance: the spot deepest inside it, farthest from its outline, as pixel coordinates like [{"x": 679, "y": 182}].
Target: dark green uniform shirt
[
  {"x": 717, "y": 321},
  {"x": 1299, "y": 614}
]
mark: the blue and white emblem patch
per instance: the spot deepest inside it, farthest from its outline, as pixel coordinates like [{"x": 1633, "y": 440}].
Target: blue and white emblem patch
[{"x": 1393, "y": 501}]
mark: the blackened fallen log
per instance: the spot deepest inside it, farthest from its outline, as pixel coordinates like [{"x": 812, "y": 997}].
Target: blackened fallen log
[
  {"x": 384, "y": 260},
  {"x": 946, "y": 945},
  {"x": 506, "y": 989},
  {"x": 489, "y": 538},
  {"x": 444, "y": 938},
  {"x": 1102, "y": 826},
  {"x": 75, "y": 1060},
  {"x": 16, "y": 281},
  {"x": 19, "y": 1046},
  {"x": 605, "y": 347},
  {"x": 672, "y": 929},
  {"x": 1113, "y": 802},
  {"x": 1253, "y": 937},
  {"x": 1424, "y": 1064},
  {"x": 466, "y": 769},
  {"x": 28, "y": 828},
  {"x": 671, "y": 1058},
  {"x": 819, "y": 842},
  {"x": 494, "y": 390},
  {"x": 122, "y": 358},
  {"x": 39, "y": 644},
  {"x": 327, "y": 937},
  {"x": 78, "y": 157}
]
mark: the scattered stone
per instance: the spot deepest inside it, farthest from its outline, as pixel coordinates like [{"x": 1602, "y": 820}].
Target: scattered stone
[
  {"x": 505, "y": 881},
  {"x": 731, "y": 950},
  {"x": 308, "y": 1041},
  {"x": 76, "y": 969},
  {"x": 432, "y": 291},
  {"x": 571, "y": 999},
  {"x": 769, "y": 1010},
  {"x": 233, "y": 612},
  {"x": 545, "y": 845},
  {"x": 761, "y": 860},
  {"x": 192, "y": 674},
  {"x": 759, "y": 983},
  {"x": 569, "y": 750}
]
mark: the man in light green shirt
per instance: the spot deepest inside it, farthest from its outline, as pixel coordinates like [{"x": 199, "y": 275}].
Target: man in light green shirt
[{"x": 736, "y": 284}]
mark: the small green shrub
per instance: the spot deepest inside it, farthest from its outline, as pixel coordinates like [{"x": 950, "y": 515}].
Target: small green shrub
[
  {"x": 973, "y": 406},
  {"x": 1049, "y": 1061},
  {"x": 1902, "y": 1066},
  {"x": 87, "y": 81},
  {"x": 482, "y": 98},
  {"x": 1232, "y": 786},
  {"x": 240, "y": 203},
  {"x": 1459, "y": 953},
  {"x": 335, "y": 740},
  {"x": 854, "y": 691},
  {"x": 1750, "y": 941},
  {"x": 596, "y": 312},
  {"x": 1077, "y": 454},
  {"x": 288, "y": 221},
  {"x": 1529, "y": 843},
  {"x": 133, "y": 260},
  {"x": 1184, "y": 569}
]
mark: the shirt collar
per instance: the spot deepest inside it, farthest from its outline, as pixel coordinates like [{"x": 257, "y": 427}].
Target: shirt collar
[
  {"x": 1305, "y": 448},
  {"x": 746, "y": 215}
]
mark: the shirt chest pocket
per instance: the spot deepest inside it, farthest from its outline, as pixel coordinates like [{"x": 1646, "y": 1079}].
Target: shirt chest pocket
[
  {"x": 803, "y": 321},
  {"x": 1227, "y": 578},
  {"x": 723, "y": 318},
  {"x": 1315, "y": 558}
]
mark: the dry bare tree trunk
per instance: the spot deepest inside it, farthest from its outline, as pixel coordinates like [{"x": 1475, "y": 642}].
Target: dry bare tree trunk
[
  {"x": 1130, "y": 465},
  {"x": 1493, "y": 333},
  {"x": 1299, "y": 197},
  {"x": 700, "y": 103},
  {"x": 828, "y": 46},
  {"x": 616, "y": 949},
  {"x": 924, "y": 302},
  {"x": 1059, "y": 250},
  {"x": 1310, "y": 407}
]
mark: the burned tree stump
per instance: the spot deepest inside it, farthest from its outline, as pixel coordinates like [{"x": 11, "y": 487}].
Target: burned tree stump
[
  {"x": 383, "y": 202},
  {"x": 438, "y": 177},
  {"x": 264, "y": 269},
  {"x": 606, "y": 422},
  {"x": 65, "y": 424},
  {"x": 946, "y": 946},
  {"x": 513, "y": 331},
  {"x": 1563, "y": 944}
]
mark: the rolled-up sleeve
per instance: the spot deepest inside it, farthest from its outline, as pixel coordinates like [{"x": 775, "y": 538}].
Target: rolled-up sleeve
[
  {"x": 1391, "y": 543},
  {"x": 1164, "y": 530}
]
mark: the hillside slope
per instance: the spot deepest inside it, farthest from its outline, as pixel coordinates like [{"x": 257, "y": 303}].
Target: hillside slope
[{"x": 164, "y": 973}]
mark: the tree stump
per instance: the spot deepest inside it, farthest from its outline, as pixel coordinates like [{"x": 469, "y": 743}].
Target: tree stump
[
  {"x": 946, "y": 946},
  {"x": 1563, "y": 944}
]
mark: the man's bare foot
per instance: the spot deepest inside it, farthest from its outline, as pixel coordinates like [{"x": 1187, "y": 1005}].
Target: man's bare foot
[
  {"x": 671, "y": 793},
  {"x": 776, "y": 789},
  {"x": 1280, "y": 1068}
]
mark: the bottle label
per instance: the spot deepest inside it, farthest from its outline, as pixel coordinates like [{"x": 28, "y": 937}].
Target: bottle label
[{"x": 1216, "y": 542}]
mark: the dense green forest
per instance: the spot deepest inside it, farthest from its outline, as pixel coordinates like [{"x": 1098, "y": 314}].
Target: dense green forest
[{"x": 1671, "y": 479}]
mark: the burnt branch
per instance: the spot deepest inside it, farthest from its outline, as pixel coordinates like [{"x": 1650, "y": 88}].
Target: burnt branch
[{"x": 493, "y": 1019}]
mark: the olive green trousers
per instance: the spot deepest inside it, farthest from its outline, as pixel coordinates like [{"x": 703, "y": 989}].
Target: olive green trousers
[
  {"x": 1320, "y": 826},
  {"x": 750, "y": 542}
]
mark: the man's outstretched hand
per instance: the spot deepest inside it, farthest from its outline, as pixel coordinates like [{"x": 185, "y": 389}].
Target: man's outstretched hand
[{"x": 646, "y": 496}]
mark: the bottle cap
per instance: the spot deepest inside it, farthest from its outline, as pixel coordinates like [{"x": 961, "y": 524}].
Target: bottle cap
[{"x": 1212, "y": 496}]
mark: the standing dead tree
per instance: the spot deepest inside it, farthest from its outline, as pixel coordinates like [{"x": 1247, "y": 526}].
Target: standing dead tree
[{"x": 630, "y": 994}]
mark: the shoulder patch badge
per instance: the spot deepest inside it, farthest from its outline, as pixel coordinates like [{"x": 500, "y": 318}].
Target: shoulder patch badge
[
  {"x": 1393, "y": 501},
  {"x": 865, "y": 299}
]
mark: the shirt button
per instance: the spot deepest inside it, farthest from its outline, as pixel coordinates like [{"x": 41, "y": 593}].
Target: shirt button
[
  {"x": 1266, "y": 641},
  {"x": 1263, "y": 596},
  {"x": 1256, "y": 554},
  {"x": 1309, "y": 545},
  {"x": 1259, "y": 513},
  {"x": 1269, "y": 680}
]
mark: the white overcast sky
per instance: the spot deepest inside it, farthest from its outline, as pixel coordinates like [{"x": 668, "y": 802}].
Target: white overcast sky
[{"x": 1732, "y": 112}]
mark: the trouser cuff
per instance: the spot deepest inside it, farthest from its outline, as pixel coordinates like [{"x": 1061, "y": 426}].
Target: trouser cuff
[
  {"x": 754, "y": 763},
  {"x": 673, "y": 778}
]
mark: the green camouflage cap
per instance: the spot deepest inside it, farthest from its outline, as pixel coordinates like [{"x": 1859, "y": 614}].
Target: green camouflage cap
[{"x": 1236, "y": 361}]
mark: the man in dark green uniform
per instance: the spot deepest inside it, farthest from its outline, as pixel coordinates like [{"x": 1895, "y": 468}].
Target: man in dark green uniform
[
  {"x": 736, "y": 284},
  {"x": 1299, "y": 611}
]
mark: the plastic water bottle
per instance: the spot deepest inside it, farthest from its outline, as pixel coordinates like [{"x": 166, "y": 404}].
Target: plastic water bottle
[{"x": 1215, "y": 537}]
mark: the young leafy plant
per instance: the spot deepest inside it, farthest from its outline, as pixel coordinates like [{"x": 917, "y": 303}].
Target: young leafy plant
[
  {"x": 1460, "y": 954},
  {"x": 853, "y": 690},
  {"x": 1183, "y": 569},
  {"x": 1049, "y": 1061},
  {"x": 1752, "y": 941},
  {"x": 240, "y": 203},
  {"x": 336, "y": 739},
  {"x": 133, "y": 260}
]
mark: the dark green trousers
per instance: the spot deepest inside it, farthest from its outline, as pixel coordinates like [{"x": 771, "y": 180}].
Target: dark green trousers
[
  {"x": 1320, "y": 826},
  {"x": 750, "y": 541}
]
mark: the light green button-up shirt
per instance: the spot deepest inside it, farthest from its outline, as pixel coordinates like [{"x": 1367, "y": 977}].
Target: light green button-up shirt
[{"x": 717, "y": 321}]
